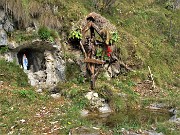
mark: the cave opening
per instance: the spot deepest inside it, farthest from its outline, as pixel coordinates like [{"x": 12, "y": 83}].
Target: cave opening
[{"x": 36, "y": 59}]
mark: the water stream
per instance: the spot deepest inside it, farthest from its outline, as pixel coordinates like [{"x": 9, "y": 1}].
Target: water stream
[{"x": 130, "y": 118}]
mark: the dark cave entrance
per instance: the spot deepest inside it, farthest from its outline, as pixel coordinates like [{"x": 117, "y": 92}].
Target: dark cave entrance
[{"x": 36, "y": 59}]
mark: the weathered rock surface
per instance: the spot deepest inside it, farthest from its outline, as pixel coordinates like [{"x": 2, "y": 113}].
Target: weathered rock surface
[
  {"x": 105, "y": 109},
  {"x": 56, "y": 96},
  {"x": 97, "y": 102},
  {"x": 84, "y": 131},
  {"x": 140, "y": 132},
  {"x": 3, "y": 37},
  {"x": 2, "y": 16},
  {"x": 8, "y": 26},
  {"x": 84, "y": 113}
]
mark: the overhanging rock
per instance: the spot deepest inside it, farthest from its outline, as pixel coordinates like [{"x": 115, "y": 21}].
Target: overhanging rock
[{"x": 46, "y": 66}]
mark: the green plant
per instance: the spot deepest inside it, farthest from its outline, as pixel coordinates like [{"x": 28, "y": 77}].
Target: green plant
[
  {"x": 80, "y": 79},
  {"x": 99, "y": 52},
  {"x": 75, "y": 34},
  {"x": 44, "y": 33},
  {"x": 29, "y": 94},
  {"x": 4, "y": 49},
  {"x": 114, "y": 37},
  {"x": 117, "y": 103},
  {"x": 12, "y": 73},
  {"x": 47, "y": 34}
]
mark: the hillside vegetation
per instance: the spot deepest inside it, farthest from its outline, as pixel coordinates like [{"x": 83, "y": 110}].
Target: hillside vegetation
[
  {"x": 148, "y": 30},
  {"x": 149, "y": 35}
]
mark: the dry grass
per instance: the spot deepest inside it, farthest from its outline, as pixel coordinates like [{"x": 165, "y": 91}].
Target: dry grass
[
  {"x": 24, "y": 12},
  {"x": 17, "y": 9},
  {"x": 49, "y": 20}
]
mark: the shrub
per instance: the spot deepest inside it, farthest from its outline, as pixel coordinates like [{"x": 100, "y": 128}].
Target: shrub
[
  {"x": 44, "y": 33},
  {"x": 3, "y": 49}
]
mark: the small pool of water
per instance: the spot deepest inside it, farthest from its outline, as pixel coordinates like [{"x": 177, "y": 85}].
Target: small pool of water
[{"x": 130, "y": 118}]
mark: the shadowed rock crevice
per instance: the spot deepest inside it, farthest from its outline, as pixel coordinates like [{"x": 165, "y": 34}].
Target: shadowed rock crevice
[{"x": 36, "y": 59}]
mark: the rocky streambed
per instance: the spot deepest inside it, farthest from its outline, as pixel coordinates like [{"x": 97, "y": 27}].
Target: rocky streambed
[{"x": 133, "y": 121}]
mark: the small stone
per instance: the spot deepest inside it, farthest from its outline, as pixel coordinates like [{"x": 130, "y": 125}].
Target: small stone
[
  {"x": 89, "y": 95},
  {"x": 22, "y": 121},
  {"x": 95, "y": 94},
  {"x": 70, "y": 60},
  {"x": 105, "y": 109},
  {"x": 39, "y": 90},
  {"x": 1, "y": 82},
  {"x": 84, "y": 113},
  {"x": 56, "y": 96}
]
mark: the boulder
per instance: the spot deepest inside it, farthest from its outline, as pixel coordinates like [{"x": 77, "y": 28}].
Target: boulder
[
  {"x": 105, "y": 109},
  {"x": 97, "y": 102},
  {"x": 56, "y": 96}
]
